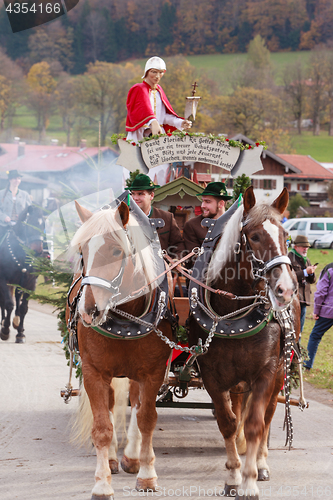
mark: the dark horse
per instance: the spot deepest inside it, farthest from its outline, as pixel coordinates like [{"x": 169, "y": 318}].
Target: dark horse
[
  {"x": 250, "y": 261},
  {"x": 15, "y": 268}
]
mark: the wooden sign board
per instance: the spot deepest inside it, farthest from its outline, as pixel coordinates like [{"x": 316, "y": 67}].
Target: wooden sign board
[{"x": 189, "y": 148}]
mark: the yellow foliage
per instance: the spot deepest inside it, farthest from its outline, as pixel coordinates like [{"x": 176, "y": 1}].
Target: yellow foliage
[{"x": 40, "y": 79}]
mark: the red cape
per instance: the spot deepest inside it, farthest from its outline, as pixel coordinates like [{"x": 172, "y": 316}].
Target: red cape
[{"x": 139, "y": 109}]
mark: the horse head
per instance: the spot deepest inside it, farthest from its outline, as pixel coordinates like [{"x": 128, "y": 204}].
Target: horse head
[
  {"x": 30, "y": 228},
  {"x": 115, "y": 257},
  {"x": 267, "y": 247},
  {"x": 254, "y": 251}
]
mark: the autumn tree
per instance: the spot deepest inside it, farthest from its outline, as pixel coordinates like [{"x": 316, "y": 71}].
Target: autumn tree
[
  {"x": 11, "y": 79},
  {"x": 68, "y": 104},
  {"x": 328, "y": 79},
  {"x": 317, "y": 94},
  {"x": 257, "y": 70},
  {"x": 5, "y": 100},
  {"x": 295, "y": 88},
  {"x": 41, "y": 95},
  {"x": 249, "y": 111},
  {"x": 102, "y": 92},
  {"x": 52, "y": 43}
]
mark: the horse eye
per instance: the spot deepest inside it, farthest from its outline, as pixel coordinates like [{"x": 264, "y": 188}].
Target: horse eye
[
  {"x": 255, "y": 238},
  {"x": 116, "y": 252}
]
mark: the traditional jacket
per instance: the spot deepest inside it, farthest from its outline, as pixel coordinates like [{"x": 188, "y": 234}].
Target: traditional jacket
[
  {"x": 194, "y": 234},
  {"x": 7, "y": 203},
  {"x": 139, "y": 109},
  {"x": 323, "y": 297},
  {"x": 170, "y": 236},
  {"x": 304, "y": 289}
]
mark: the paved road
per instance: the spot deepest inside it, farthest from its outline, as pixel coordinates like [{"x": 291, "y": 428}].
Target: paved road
[{"x": 38, "y": 462}]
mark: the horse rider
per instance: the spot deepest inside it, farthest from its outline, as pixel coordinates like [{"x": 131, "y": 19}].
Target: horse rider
[
  {"x": 143, "y": 191},
  {"x": 148, "y": 110},
  {"x": 213, "y": 200},
  {"x": 12, "y": 202}
]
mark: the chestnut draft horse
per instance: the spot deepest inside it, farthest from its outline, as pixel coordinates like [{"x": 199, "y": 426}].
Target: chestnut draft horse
[
  {"x": 248, "y": 348},
  {"x": 117, "y": 260}
]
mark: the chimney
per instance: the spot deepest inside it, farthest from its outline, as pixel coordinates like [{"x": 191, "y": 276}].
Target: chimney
[
  {"x": 83, "y": 143},
  {"x": 21, "y": 149}
]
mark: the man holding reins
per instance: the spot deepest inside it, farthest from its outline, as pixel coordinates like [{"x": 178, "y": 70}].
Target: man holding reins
[
  {"x": 213, "y": 200},
  {"x": 143, "y": 191}
]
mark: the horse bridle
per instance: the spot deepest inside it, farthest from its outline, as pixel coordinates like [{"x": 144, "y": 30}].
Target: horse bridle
[{"x": 259, "y": 267}]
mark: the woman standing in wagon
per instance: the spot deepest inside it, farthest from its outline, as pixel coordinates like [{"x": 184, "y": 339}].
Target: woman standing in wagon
[{"x": 148, "y": 109}]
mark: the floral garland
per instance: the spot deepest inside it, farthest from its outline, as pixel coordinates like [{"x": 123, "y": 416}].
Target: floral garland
[{"x": 179, "y": 133}]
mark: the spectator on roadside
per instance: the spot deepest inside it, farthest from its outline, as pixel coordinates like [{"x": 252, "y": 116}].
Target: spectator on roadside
[
  {"x": 305, "y": 272},
  {"x": 322, "y": 312}
]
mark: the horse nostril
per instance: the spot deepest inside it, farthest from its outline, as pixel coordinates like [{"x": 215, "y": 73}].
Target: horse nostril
[
  {"x": 279, "y": 291},
  {"x": 94, "y": 312}
]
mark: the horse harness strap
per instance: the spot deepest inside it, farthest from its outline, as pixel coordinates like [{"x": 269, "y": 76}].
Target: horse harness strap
[{"x": 285, "y": 320}]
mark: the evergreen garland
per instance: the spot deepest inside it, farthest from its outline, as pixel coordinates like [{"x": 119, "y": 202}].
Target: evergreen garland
[{"x": 61, "y": 279}]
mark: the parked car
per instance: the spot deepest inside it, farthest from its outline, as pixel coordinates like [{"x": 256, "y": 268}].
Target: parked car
[
  {"x": 325, "y": 241},
  {"x": 312, "y": 227}
]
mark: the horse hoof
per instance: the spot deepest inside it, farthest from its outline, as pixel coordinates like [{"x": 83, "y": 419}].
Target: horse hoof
[
  {"x": 130, "y": 465},
  {"x": 147, "y": 484},
  {"x": 263, "y": 475},
  {"x": 230, "y": 490},
  {"x": 20, "y": 338},
  {"x": 4, "y": 333},
  {"x": 247, "y": 497},
  {"x": 16, "y": 322},
  {"x": 102, "y": 497},
  {"x": 114, "y": 466}
]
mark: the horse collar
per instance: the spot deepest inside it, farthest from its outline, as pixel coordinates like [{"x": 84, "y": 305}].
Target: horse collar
[{"x": 17, "y": 262}]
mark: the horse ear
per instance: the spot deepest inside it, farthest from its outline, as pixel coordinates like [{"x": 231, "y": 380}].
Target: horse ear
[
  {"x": 124, "y": 213},
  {"x": 281, "y": 202},
  {"x": 249, "y": 200},
  {"x": 84, "y": 213}
]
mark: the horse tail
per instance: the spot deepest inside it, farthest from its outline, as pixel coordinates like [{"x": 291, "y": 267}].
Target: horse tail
[{"x": 83, "y": 419}]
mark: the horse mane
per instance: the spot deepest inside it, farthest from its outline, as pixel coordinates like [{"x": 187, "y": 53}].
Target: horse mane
[
  {"x": 226, "y": 246},
  {"x": 132, "y": 240},
  {"x": 34, "y": 209}
]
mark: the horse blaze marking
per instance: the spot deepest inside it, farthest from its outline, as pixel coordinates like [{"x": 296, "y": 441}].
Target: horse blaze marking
[{"x": 274, "y": 231}]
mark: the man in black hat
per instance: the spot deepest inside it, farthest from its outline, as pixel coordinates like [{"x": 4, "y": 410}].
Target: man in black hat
[
  {"x": 213, "y": 200},
  {"x": 143, "y": 191},
  {"x": 304, "y": 271},
  {"x": 12, "y": 201}
]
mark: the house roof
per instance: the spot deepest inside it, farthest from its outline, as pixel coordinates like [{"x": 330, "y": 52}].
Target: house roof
[
  {"x": 308, "y": 168},
  {"x": 278, "y": 158},
  {"x": 181, "y": 185},
  {"x": 38, "y": 158}
]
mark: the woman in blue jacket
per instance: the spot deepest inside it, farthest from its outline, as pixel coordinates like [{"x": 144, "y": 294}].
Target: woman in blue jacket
[{"x": 322, "y": 312}]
